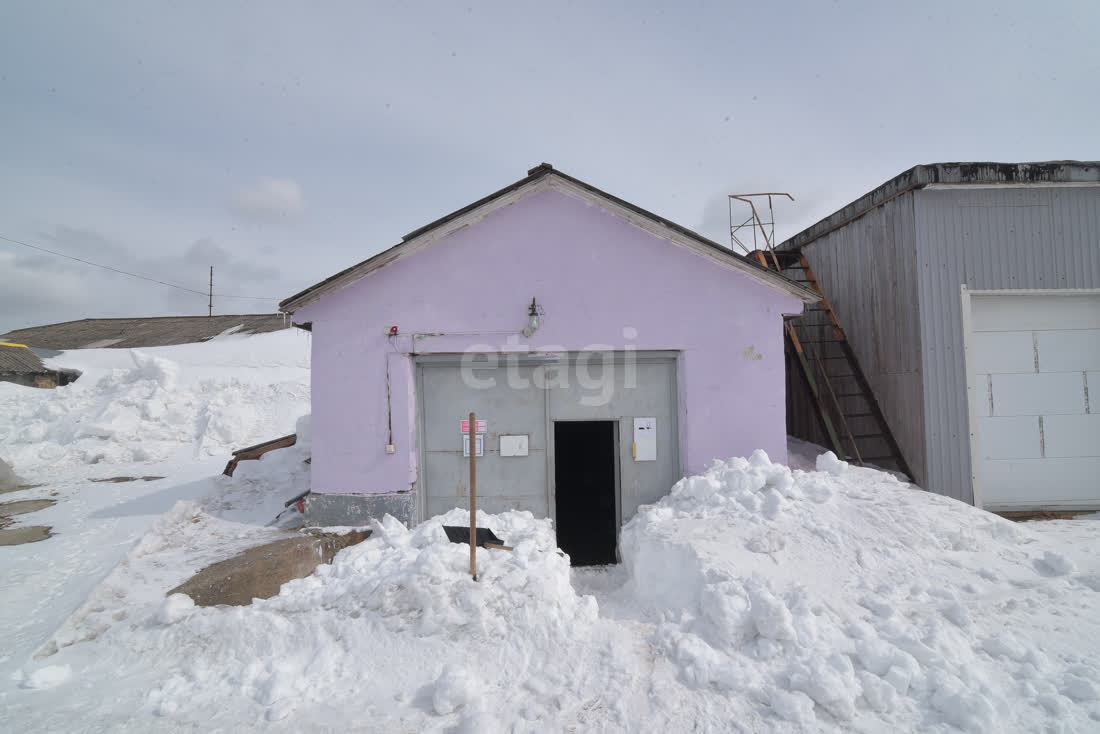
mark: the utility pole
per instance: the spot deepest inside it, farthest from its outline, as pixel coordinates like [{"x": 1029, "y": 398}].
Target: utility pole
[
  {"x": 472, "y": 437},
  {"x": 210, "y": 303}
]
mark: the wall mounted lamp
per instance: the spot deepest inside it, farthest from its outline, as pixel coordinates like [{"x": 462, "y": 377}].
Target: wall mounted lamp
[{"x": 532, "y": 319}]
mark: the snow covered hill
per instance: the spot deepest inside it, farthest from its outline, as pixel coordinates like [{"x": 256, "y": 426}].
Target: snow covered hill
[{"x": 753, "y": 598}]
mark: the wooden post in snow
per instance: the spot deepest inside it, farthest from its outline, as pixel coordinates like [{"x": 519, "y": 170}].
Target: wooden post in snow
[{"x": 473, "y": 495}]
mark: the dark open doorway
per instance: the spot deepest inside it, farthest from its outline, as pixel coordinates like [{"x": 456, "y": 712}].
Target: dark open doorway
[{"x": 584, "y": 481}]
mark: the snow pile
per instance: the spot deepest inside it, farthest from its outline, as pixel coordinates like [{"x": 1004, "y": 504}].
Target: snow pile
[
  {"x": 417, "y": 580},
  {"x": 48, "y": 676},
  {"x": 149, "y": 413},
  {"x": 753, "y": 597},
  {"x": 8, "y": 478},
  {"x": 258, "y": 490},
  {"x": 394, "y": 623},
  {"x": 843, "y": 599},
  {"x": 154, "y": 404},
  {"x": 230, "y": 515}
]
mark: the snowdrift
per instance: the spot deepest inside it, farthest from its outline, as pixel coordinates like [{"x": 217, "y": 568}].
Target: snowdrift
[
  {"x": 8, "y": 478},
  {"x": 752, "y": 597},
  {"x": 843, "y": 599},
  {"x": 395, "y": 629},
  {"x": 154, "y": 404},
  {"x": 171, "y": 412},
  {"x": 258, "y": 490}
]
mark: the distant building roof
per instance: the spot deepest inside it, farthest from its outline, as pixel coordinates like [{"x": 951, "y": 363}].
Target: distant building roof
[
  {"x": 158, "y": 331},
  {"x": 19, "y": 360}
]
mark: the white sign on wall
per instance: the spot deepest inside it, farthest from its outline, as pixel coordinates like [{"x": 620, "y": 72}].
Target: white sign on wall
[
  {"x": 513, "y": 445},
  {"x": 645, "y": 439},
  {"x": 479, "y": 444}
]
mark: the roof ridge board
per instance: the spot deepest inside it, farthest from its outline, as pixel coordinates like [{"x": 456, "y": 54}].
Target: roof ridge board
[
  {"x": 534, "y": 174},
  {"x": 727, "y": 254},
  {"x": 672, "y": 225},
  {"x": 537, "y": 173}
]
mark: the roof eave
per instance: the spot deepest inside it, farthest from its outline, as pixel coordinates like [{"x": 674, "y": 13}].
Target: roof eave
[
  {"x": 355, "y": 272},
  {"x": 300, "y": 299},
  {"x": 957, "y": 173}
]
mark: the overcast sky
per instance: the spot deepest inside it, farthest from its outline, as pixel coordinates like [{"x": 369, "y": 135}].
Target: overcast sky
[{"x": 281, "y": 143}]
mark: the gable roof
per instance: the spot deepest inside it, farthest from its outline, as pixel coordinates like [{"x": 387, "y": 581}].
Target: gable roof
[
  {"x": 538, "y": 178},
  {"x": 157, "y": 331},
  {"x": 950, "y": 174}
]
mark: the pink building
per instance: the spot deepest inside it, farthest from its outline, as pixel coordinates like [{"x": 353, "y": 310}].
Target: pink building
[{"x": 609, "y": 352}]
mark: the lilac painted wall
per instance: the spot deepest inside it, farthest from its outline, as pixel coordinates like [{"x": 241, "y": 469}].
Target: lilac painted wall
[{"x": 594, "y": 274}]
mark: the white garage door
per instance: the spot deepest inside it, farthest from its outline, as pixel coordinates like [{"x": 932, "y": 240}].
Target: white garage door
[{"x": 1031, "y": 361}]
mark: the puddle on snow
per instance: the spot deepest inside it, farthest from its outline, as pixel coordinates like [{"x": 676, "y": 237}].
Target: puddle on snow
[
  {"x": 20, "y": 488},
  {"x": 19, "y": 536},
  {"x": 22, "y": 507}
]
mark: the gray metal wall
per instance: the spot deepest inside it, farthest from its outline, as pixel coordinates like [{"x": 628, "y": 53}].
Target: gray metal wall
[
  {"x": 1037, "y": 236},
  {"x": 562, "y": 391},
  {"x": 868, "y": 270}
]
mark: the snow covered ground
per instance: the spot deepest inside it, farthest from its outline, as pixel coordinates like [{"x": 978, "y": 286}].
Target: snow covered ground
[
  {"x": 172, "y": 412},
  {"x": 755, "y": 597}
]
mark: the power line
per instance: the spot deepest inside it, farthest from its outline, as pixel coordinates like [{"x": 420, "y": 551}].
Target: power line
[
  {"x": 132, "y": 275},
  {"x": 105, "y": 267},
  {"x": 251, "y": 298}
]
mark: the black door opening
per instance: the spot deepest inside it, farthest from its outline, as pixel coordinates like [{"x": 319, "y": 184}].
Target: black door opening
[{"x": 584, "y": 481}]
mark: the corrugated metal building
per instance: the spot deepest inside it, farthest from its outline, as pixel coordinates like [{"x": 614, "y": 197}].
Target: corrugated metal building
[{"x": 970, "y": 293}]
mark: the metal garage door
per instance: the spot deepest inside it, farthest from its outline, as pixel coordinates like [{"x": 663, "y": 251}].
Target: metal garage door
[
  {"x": 1031, "y": 359},
  {"x": 524, "y": 398}
]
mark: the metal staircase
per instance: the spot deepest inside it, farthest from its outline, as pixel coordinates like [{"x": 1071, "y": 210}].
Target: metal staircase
[{"x": 845, "y": 405}]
